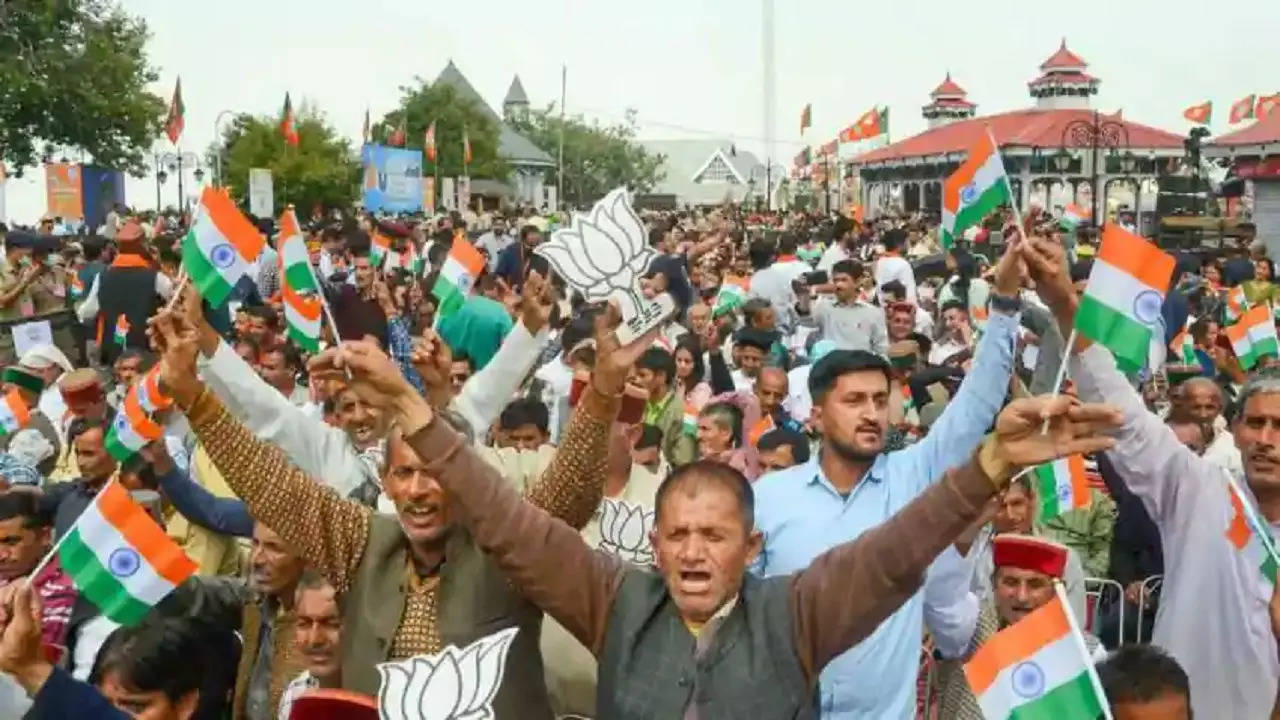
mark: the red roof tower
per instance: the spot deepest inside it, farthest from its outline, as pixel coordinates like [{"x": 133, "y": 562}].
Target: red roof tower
[
  {"x": 949, "y": 104},
  {"x": 1063, "y": 82}
]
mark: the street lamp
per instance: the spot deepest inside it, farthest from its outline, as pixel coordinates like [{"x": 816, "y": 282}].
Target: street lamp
[
  {"x": 175, "y": 162},
  {"x": 1094, "y": 134}
]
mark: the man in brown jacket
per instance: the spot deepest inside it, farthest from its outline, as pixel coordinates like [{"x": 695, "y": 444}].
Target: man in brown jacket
[{"x": 700, "y": 639}]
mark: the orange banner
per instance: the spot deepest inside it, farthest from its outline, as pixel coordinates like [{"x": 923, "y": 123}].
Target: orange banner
[{"x": 62, "y": 190}]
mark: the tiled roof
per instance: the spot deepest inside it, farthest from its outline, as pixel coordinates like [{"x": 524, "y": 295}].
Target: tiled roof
[
  {"x": 948, "y": 87},
  {"x": 1265, "y": 131},
  {"x": 1061, "y": 78},
  {"x": 1034, "y": 128},
  {"x": 947, "y": 102},
  {"x": 1063, "y": 58}
]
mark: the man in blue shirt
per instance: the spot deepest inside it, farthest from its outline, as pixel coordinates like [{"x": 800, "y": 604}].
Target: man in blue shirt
[{"x": 851, "y": 485}]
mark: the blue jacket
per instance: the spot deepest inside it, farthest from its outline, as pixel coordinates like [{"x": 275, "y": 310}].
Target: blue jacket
[{"x": 62, "y": 696}]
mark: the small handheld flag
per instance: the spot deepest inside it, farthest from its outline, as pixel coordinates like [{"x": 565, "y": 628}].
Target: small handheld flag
[
  {"x": 975, "y": 189},
  {"x": 298, "y": 286},
  {"x": 1254, "y": 336},
  {"x": 1251, "y": 536},
  {"x": 461, "y": 267},
  {"x": 379, "y": 247},
  {"x": 1236, "y": 304},
  {"x": 1062, "y": 486},
  {"x": 218, "y": 248},
  {"x": 806, "y": 117},
  {"x": 14, "y": 414},
  {"x": 1072, "y": 216},
  {"x": 121, "y": 336}
]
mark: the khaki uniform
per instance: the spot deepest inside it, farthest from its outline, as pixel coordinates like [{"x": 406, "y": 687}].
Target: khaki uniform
[{"x": 43, "y": 297}]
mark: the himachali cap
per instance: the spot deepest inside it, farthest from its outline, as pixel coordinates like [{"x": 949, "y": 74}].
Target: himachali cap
[
  {"x": 1029, "y": 553},
  {"x": 81, "y": 386},
  {"x": 23, "y": 378}
]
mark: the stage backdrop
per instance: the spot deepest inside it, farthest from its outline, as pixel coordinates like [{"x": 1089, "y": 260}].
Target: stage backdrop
[{"x": 392, "y": 179}]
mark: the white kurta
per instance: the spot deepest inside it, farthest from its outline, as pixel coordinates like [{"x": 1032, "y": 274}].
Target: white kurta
[{"x": 1213, "y": 614}]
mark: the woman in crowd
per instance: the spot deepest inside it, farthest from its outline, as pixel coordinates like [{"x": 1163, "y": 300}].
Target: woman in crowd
[{"x": 690, "y": 373}]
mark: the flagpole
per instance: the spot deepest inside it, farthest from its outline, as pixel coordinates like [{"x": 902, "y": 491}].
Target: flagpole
[
  {"x": 1013, "y": 201},
  {"x": 53, "y": 551},
  {"x": 183, "y": 277},
  {"x": 1264, "y": 537},
  {"x": 1078, "y": 638}
]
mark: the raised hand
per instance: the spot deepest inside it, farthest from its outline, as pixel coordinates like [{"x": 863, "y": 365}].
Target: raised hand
[
  {"x": 1011, "y": 271},
  {"x": 20, "y": 648},
  {"x": 375, "y": 377},
  {"x": 177, "y": 343},
  {"x": 1073, "y": 428},
  {"x": 613, "y": 359},
  {"x": 1047, "y": 263},
  {"x": 433, "y": 359},
  {"x": 536, "y": 302}
]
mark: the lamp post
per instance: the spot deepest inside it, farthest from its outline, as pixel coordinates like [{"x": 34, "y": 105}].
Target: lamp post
[
  {"x": 175, "y": 161},
  {"x": 1093, "y": 134},
  {"x": 218, "y": 178}
]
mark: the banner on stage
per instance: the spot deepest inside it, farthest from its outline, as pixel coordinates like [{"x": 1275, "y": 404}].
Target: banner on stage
[
  {"x": 392, "y": 179},
  {"x": 261, "y": 193},
  {"x": 62, "y": 190}
]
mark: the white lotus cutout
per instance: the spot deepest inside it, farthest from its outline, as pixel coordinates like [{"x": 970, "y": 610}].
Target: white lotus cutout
[
  {"x": 603, "y": 255},
  {"x": 624, "y": 531},
  {"x": 452, "y": 684}
]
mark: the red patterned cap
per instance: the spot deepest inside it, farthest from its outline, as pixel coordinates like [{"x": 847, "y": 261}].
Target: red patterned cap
[{"x": 1029, "y": 553}]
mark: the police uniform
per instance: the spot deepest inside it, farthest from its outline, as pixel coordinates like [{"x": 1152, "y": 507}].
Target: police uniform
[{"x": 41, "y": 298}]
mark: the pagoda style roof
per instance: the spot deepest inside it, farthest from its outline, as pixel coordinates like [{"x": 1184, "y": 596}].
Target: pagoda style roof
[{"x": 1064, "y": 59}]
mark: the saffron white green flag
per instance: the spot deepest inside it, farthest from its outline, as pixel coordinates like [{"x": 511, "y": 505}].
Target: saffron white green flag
[
  {"x": 458, "y": 273},
  {"x": 975, "y": 189},
  {"x": 1253, "y": 337},
  {"x": 219, "y": 247},
  {"x": 1062, "y": 486},
  {"x": 298, "y": 287},
  {"x": 733, "y": 292},
  {"x": 1121, "y": 304}
]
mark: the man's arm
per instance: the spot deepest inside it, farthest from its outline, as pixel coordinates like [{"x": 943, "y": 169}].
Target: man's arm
[
  {"x": 545, "y": 558},
  {"x": 950, "y": 609},
  {"x": 573, "y": 484},
  {"x": 969, "y": 414},
  {"x": 227, "y": 516},
  {"x": 847, "y": 591},
  {"x": 88, "y": 309},
  {"x": 328, "y": 531},
  {"x": 879, "y": 334},
  {"x": 317, "y": 449}
]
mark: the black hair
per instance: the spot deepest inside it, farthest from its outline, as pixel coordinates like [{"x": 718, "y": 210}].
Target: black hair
[
  {"x": 1080, "y": 270},
  {"x": 292, "y": 358},
  {"x": 526, "y": 229},
  {"x": 778, "y": 437},
  {"x": 146, "y": 357},
  {"x": 650, "y": 436},
  {"x": 852, "y": 268},
  {"x": 25, "y": 505},
  {"x": 966, "y": 269},
  {"x": 893, "y": 239},
  {"x": 463, "y": 357},
  {"x": 761, "y": 254},
  {"x": 524, "y": 411},
  {"x": 723, "y": 414},
  {"x": 656, "y": 234},
  {"x": 1139, "y": 673},
  {"x": 162, "y": 654},
  {"x": 690, "y": 343},
  {"x": 658, "y": 360},
  {"x": 837, "y": 363},
  {"x": 711, "y": 472},
  {"x": 842, "y": 226},
  {"x": 80, "y": 426},
  {"x": 581, "y": 327},
  {"x": 954, "y": 304},
  {"x": 894, "y": 288},
  {"x": 752, "y": 308},
  {"x": 787, "y": 244},
  {"x": 313, "y": 579}
]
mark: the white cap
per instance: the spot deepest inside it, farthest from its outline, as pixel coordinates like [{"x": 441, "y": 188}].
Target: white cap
[{"x": 43, "y": 357}]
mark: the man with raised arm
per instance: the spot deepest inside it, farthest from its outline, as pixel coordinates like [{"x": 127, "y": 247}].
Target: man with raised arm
[
  {"x": 1213, "y": 615},
  {"x": 699, "y": 637},
  {"x": 416, "y": 582}
]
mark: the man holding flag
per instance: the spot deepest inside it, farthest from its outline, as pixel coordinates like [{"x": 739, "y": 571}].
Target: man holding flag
[{"x": 1218, "y": 533}]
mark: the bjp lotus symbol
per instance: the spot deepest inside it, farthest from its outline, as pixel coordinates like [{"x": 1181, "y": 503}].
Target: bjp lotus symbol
[
  {"x": 453, "y": 684},
  {"x": 603, "y": 255},
  {"x": 624, "y": 531}
]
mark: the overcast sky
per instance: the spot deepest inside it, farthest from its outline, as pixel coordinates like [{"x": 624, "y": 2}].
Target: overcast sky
[{"x": 693, "y": 68}]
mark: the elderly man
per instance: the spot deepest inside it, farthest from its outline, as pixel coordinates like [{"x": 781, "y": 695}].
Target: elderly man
[
  {"x": 414, "y": 582},
  {"x": 1200, "y": 400},
  {"x": 317, "y": 639},
  {"x": 700, "y": 637},
  {"x": 1209, "y": 521},
  {"x": 1026, "y": 569}
]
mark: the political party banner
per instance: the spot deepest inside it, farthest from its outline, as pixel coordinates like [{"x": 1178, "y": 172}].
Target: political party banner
[
  {"x": 448, "y": 200},
  {"x": 62, "y": 190},
  {"x": 429, "y": 195},
  {"x": 392, "y": 179},
  {"x": 100, "y": 189},
  {"x": 261, "y": 193}
]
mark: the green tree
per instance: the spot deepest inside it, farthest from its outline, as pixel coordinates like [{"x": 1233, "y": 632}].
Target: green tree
[
  {"x": 597, "y": 158},
  {"x": 440, "y": 103},
  {"x": 74, "y": 74},
  {"x": 323, "y": 169}
]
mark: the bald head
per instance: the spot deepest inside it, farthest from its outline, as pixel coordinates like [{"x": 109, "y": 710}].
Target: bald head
[
  {"x": 771, "y": 389},
  {"x": 1200, "y": 400}
]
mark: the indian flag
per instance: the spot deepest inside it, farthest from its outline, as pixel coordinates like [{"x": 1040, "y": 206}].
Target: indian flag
[
  {"x": 411, "y": 261},
  {"x": 298, "y": 286},
  {"x": 1062, "y": 486},
  {"x": 122, "y": 330},
  {"x": 975, "y": 189},
  {"x": 1184, "y": 346},
  {"x": 1254, "y": 336},
  {"x": 733, "y": 292},
  {"x": 219, "y": 246},
  {"x": 131, "y": 429},
  {"x": 120, "y": 559},
  {"x": 1036, "y": 668},
  {"x": 458, "y": 273},
  {"x": 379, "y": 246},
  {"x": 1072, "y": 216},
  {"x": 1250, "y": 536},
  {"x": 14, "y": 414},
  {"x": 150, "y": 397},
  {"x": 1122, "y": 301},
  {"x": 690, "y": 423},
  {"x": 1236, "y": 303},
  {"x": 77, "y": 286}
]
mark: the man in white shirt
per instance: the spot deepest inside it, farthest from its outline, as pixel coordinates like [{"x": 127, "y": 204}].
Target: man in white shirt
[
  {"x": 841, "y": 247},
  {"x": 892, "y": 266},
  {"x": 774, "y": 275},
  {"x": 495, "y": 241}
]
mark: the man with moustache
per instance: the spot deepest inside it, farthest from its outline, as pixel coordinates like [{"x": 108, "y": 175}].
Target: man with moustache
[
  {"x": 413, "y": 583},
  {"x": 852, "y": 485},
  {"x": 317, "y": 639}
]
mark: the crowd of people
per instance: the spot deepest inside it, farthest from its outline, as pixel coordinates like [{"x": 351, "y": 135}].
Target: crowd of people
[{"x": 806, "y": 493}]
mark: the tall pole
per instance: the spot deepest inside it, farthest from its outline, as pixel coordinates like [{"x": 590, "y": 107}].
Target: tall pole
[
  {"x": 767, "y": 66},
  {"x": 182, "y": 198},
  {"x": 564, "y": 81},
  {"x": 156, "y": 157},
  {"x": 1093, "y": 191}
]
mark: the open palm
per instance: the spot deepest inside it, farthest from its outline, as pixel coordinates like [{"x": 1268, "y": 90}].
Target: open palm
[{"x": 1073, "y": 428}]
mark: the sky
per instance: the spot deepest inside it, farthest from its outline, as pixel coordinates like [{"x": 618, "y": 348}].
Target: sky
[{"x": 690, "y": 68}]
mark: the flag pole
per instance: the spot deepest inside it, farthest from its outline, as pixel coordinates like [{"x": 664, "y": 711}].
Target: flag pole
[
  {"x": 1013, "y": 201},
  {"x": 53, "y": 551},
  {"x": 1265, "y": 537},
  {"x": 1078, "y": 638},
  {"x": 183, "y": 277}
]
